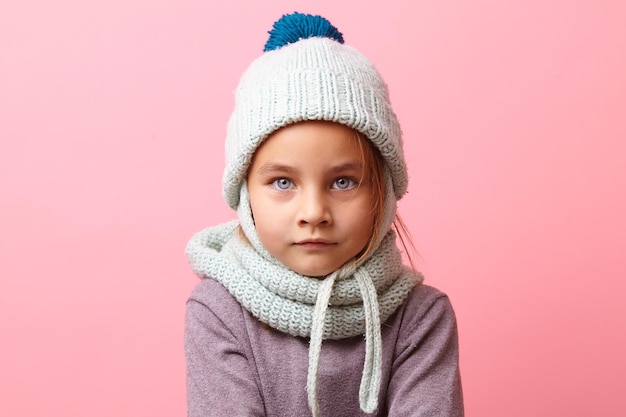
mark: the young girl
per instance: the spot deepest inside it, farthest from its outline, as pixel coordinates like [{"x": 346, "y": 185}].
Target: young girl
[{"x": 306, "y": 307}]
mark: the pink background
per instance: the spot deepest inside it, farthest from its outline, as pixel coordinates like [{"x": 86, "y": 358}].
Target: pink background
[{"x": 112, "y": 119}]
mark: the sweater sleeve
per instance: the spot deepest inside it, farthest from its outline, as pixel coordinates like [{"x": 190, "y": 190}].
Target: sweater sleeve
[
  {"x": 425, "y": 380},
  {"x": 220, "y": 376}
]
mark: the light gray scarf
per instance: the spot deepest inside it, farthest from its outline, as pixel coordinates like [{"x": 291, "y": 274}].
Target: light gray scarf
[{"x": 349, "y": 302}]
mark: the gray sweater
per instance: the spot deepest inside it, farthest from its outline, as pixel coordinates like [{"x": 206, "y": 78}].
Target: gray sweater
[{"x": 238, "y": 366}]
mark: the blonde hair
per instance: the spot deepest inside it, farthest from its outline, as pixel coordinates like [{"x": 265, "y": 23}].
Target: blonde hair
[{"x": 374, "y": 168}]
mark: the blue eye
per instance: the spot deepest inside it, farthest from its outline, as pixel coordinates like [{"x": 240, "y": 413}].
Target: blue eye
[
  {"x": 282, "y": 183},
  {"x": 344, "y": 183}
]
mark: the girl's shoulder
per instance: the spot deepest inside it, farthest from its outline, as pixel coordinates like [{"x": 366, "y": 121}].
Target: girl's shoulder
[
  {"x": 425, "y": 308},
  {"x": 213, "y": 298},
  {"x": 424, "y": 296},
  {"x": 209, "y": 291}
]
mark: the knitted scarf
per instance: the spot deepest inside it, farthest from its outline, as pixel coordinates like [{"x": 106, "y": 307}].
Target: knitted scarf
[{"x": 349, "y": 302}]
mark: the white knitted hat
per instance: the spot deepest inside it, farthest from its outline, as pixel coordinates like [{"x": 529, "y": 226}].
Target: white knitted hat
[{"x": 307, "y": 73}]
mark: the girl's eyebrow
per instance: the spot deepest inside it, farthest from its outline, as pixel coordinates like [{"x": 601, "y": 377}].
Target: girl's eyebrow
[
  {"x": 272, "y": 168},
  {"x": 349, "y": 166}
]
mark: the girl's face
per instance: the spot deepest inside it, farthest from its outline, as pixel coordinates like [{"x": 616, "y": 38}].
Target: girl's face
[{"x": 310, "y": 196}]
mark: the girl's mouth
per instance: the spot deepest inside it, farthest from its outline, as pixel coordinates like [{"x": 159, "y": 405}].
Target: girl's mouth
[{"x": 314, "y": 244}]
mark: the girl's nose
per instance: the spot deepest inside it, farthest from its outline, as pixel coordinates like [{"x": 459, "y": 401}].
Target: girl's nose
[{"x": 313, "y": 209}]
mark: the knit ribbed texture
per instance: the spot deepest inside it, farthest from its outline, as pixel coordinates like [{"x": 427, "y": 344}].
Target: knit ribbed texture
[
  {"x": 312, "y": 79},
  {"x": 285, "y": 299}
]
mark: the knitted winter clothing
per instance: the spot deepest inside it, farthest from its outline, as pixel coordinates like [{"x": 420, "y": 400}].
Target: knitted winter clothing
[
  {"x": 310, "y": 77},
  {"x": 285, "y": 299}
]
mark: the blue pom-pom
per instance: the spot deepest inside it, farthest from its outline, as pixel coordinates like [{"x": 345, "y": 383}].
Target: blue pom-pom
[{"x": 296, "y": 26}]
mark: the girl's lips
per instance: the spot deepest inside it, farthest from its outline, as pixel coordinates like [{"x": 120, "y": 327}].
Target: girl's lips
[{"x": 314, "y": 244}]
